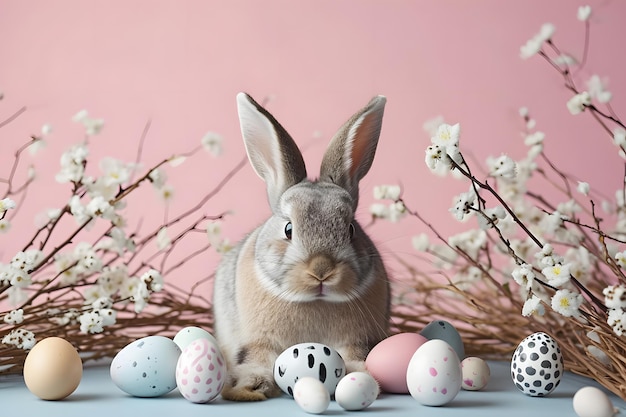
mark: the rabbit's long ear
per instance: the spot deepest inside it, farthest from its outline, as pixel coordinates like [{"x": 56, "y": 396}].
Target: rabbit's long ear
[
  {"x": 272, "y": 152},
  {"x": 351, "y": 151}
]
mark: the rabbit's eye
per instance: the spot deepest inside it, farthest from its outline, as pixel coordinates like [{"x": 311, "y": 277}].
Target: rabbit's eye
[
  {"x": 288, "y": 230},
  {"x": 352, "y": 230}
]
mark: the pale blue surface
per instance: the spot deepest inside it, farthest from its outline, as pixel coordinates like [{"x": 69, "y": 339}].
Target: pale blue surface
[{"x": 97, "y": 396}]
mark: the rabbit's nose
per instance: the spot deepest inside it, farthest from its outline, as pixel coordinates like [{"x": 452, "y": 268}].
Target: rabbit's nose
[{"x": 321, "y": 267}]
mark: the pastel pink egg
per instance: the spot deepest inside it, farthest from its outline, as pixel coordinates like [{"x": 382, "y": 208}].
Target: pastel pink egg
[{"x": 388, "y": 361}]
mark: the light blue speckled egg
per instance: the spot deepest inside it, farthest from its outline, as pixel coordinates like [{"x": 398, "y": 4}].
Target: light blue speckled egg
[{"x": 146, "y": 367}]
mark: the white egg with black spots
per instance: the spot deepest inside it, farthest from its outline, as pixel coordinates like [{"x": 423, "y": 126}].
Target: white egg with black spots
[
  {"x": 443, "y": 330},
  {"x": 311, "y": 395},
  {"x": 356, "y": 391},
  {"x": 146, "y": 367},
  {"x": 188, "y": 334},
  {"x": 537, "y": 365},
  {"x": 309, "y": 360}
]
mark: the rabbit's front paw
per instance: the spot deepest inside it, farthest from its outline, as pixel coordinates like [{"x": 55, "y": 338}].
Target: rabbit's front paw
[{"x": 250, "y": 387}]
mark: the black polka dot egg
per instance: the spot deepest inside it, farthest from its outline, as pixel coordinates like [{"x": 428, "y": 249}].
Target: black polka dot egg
[
  {"x": 314, "y": 360},
  {"x": 537, "y": 365}
]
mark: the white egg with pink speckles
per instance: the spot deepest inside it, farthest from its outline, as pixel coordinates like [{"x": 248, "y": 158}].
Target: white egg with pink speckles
[
  {"x": 476, "y": 373},
  {"x": 200, "y": 371},
  {"x": 356, "y": 391},
  {"x": 434, "y": 373}
]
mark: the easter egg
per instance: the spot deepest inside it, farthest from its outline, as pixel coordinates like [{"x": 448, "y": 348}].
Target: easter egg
[
  {"x": 443, "y": 330},
  {"x": 537, "y": 365},
  {"x": 476, "y": 373},
  {"x": 188, "y": 334},
  {"x": 200, "y": 371},
  {"x": 146, "y": 367},
  {"x": 593, "y": 402},
  {"x": 434, "y": 373},
  {"x": 356, "y": 391},
  {"x": 52, "y": 369},
  {"x": 311, "y": 395},
  {"x": 388, "y": 361},
  {"x": 309, "y": 359}
]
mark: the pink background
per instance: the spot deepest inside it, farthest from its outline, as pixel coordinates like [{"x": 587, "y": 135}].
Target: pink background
[{"x": 180, "y": 64}]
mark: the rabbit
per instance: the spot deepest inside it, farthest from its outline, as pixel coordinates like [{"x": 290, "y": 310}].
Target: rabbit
[{"x": 309, "y": 273}]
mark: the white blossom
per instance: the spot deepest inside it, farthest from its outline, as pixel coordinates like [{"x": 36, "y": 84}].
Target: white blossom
[
  {"x": 617, "y": 320},
  {"x": 6, "y": 204},
  {"x": 620, "y": 257},
  {"x": 166, "y": 193},
  {"x": 437, "y": 159},
  {"x": 177, "y": 160},
  {"x": 152, "y": 280},
  {"x": 421, "y": 242},
  {"x": 557, "y": 275},
  {"x": 503, "y": 167},
  {"x": 463, "y": 204},
  {"x": 379, "y": 211},
  {"x": 114, "y": 171},
  {"x": 566, "y": 303},
  {"x": 162, "y": 239},
  {"x": 533, "y": 306},
  {"x": 584, "y": 13},
  {"x": 447, "y": 135},
  {"x": 5, "y": 226},
  {"x": 20, "y": 338},
  {"x": 470, "y": 242},
  {"x": 92, "y": 126},
  {"x": 491, "y": 216},
  {"x": 14, "y": 316},
  {"x": 524, "y": 276},
  {"x": 615, "y": 296},
  {"x": 387, "y": 192},
  {"x": 212, "y": 143},
  {"x": 577, "y": 104},
  {"x": 112, "y": 278},
  {"x": 37, "y": 145},
  {"x": 88, "y": 260},
  {"x": 91, "y": 322},
  {"x": 109, "y": 316},
  {"x": 534, "y": 44},
  {"x": 72, "y": 164},
  {"x": 535, "y": 138},
  {"x": 158, "y": 177},
  {"x": 99, "y": 207},
  {"x": 597, "y": 89},
  {"x": 583, "y": 188},
  {"x": 397, "y": 210}
]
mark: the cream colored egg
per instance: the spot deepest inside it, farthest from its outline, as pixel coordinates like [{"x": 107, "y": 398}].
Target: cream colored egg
[
  {"x": 593, "y": 402},
  {"x": 475, "y": 372},
  {"x": 53, "y": 369}
]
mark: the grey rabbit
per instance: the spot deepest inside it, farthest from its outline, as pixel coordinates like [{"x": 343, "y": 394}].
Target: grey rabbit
[{"x": 309, "y": 273}]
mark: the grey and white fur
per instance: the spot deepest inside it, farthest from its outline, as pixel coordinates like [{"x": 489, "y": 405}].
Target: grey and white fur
[{"x": 309, "y": 273}]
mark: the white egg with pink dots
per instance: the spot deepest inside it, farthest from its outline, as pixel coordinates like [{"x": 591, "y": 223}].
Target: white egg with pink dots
[
  {"x": 356, "y": 391},
  {"x": 200, "y": 371},
  {"x": 434, "y": 373}
]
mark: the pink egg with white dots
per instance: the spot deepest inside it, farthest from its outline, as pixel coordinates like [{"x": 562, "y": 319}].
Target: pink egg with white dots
[
  {"x": 434, "y": 373},
  {"x": 200, "y": 371},
  {"x": 356, "y": 391}
]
